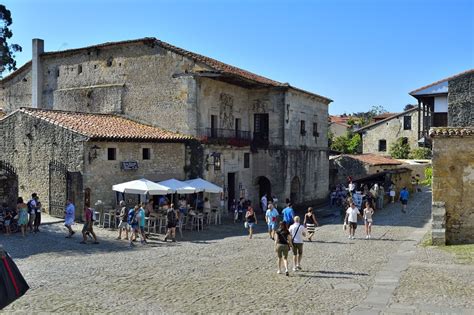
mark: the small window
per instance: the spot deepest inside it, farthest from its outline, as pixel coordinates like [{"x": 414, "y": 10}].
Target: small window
[
  {"x": 109, "y": 62},
  {"x": 146, "y": 153},
  {"x": 303, "y": 128},
  {"x": 57, "y": 72},
  {"x": 246, "y": 160},
  {"x": 315, "y": 130},
  {"x": 79, "y": 69},
  {"x": 382, "y": 145},
  {"x": 406, "y": 122},
  {"x": 111, "y": 154}
]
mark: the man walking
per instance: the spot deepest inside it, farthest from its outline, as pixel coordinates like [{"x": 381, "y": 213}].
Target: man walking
[
  {"x": 37, "y": 221},
  {"x": 404, "y": 199},
  {"x": 32, "y": 207},
  {"x": 352, "y": 213},
  {"x": 288, "y": 214},
  {"x": 297, "y": 232},
  {"x": 271, "y": 218},
  {"x": 264, "y": 203},
  {"x": 70, "y": 213}
]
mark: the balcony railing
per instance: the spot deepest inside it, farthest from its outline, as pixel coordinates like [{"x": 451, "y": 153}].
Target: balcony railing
[{"x": 232, "y": 137}]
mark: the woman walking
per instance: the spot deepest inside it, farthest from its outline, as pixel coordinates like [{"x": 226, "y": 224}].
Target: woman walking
[
  {"x": 368, "y": 213},
  {"x": 22, "y": 210},
  {"x": 310, "y": 223},
  {"x": 250, "y": 220},
  {"x": 282, "y": 245}
]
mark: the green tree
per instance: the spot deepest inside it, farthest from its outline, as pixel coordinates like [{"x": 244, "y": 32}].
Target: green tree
[
  {"x": 400, "y": 149},
  {"x": 428, "y": 176},
  {"x": 420, "y": 153},
  {"x": 348, "y": 143},
  {"x": 7, "y": 51}
]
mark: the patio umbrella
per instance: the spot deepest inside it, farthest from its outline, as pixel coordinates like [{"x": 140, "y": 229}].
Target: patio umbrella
[
  {"x": 12, "y": 283},
  {"x": 141, "y": 187},
  {"x": 179, "y": 186},
  {"x": 204, "y": 185}
]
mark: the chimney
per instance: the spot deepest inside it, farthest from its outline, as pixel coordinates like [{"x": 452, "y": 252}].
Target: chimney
[{"x": 37, "y": 73}]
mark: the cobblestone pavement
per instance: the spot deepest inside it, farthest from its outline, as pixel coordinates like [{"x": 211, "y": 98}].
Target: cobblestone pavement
[{"x": 220, "y": 270}]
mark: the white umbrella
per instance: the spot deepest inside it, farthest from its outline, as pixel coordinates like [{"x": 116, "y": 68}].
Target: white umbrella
[
  {"x": 179, "y": 186},
  {"x": 204, "y": 185},
  {"x": 142, "y": 186}
]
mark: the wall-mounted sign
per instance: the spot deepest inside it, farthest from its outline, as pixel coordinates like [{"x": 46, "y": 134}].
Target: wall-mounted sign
[{"x": 129, "y": 165}]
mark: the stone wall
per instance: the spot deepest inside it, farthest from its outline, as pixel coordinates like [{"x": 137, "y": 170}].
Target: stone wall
[
  {"x": 461, "y": 101},
  {"x": 453, "y": 186},
  {"x": 29, "y": 144},
  {"x": 167, "y": 161},
  {"x": 16, "y": 92},
  {"x": 390, "y": 131}
]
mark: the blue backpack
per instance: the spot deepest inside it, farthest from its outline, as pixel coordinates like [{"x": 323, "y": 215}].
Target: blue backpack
[{"x": 132, "y": 217}]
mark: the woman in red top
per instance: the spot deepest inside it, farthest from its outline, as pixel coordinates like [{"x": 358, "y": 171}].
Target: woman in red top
[{"x": 88, "y": 227}]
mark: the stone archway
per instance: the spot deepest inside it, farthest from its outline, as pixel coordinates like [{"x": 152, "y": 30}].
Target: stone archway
[
  {"x": 264, "y": 186},
  {"x": 295, "y": 195}
]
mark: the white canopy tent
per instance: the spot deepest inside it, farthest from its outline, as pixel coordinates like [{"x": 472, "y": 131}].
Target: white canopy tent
[
  {"x": 204, "y": 185},
  {"x": 142, "y": 187},
  {"x": 179, "y": 187}
]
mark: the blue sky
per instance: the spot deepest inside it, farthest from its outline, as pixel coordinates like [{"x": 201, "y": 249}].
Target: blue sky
[{"x": 358, "y": 53}]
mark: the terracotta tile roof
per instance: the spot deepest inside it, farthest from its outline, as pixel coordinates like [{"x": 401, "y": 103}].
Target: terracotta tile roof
[
  {"x": 384, "y": 115},
  {"x": 452, "y": 132},
  {"x": 445, "y": 79},
  {"x": 218, "y": 66},
  {"x": 372, "y": 159},
  {"x": 104, "y": 126}
]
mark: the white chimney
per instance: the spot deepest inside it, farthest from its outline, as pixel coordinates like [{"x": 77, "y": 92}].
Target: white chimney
[{"x": 37, "y": 73}]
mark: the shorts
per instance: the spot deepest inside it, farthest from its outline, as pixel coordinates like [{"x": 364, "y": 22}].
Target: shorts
[
  {"x": 368, "y": 221},
  {"x": 297, "y": 249},
  {"x": 353, "y": 225},
  {"x": 171, "y": 225},
  {"x": 134, "y": 227},
  {"x": 404, "y": 202},
  {"x": 272, "y": 226},
  {"x": 87, "y": 227},
  {"x": 282, "y": 250},
  {"x": 6, "y": 223},
  {"x": 123, "y": 225},
  {"x": 250, "y": 224}
]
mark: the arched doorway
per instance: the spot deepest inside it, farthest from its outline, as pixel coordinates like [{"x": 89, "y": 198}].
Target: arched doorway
[
  {"x": 295, "y": 190},
  {"x": 264, "y": 187}
]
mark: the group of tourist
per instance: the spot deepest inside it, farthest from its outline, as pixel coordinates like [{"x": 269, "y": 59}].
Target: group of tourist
[{"x": 27, "y": 216}]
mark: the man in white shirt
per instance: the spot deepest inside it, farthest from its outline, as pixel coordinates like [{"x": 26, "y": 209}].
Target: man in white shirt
[
  {"x": 297, "y": 232},
  {"x": 264, "y": 203},
  {"x": 351, "y": 219}
]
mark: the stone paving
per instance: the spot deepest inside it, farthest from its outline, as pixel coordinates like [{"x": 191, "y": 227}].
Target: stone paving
[{"x": 220, "y": 270}]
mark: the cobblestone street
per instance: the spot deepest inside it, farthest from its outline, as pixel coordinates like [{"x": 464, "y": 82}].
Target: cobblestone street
[{"x": 221, "y": 270}]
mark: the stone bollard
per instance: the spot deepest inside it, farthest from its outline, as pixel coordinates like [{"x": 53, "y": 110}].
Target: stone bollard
[{"x": 438, "y": 225}]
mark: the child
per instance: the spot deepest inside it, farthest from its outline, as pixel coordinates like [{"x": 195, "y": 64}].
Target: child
[{"x": 368, "y": 212}]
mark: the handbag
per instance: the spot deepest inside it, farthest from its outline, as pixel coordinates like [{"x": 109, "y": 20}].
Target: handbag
[{"x": 246, "y": 225}]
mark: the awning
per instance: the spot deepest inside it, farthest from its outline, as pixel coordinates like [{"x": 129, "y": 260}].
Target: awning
[
  {"x": 142, "y": 186},
  {"x": 179, "y": 187},
  {"x": 204, "y": 185}
]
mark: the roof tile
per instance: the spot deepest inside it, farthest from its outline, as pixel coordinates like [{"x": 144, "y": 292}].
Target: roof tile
[
  {"x": 452, "y": 132},
  {"x": 104, "y": 126}
]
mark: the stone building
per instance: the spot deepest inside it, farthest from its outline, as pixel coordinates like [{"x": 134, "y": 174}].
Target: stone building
[
  {"x": 62, "y": 154},
  {"x": 255, "y": 135},
  {"x": 379, "y": 135},
  {"x": 451, "y": 102}
]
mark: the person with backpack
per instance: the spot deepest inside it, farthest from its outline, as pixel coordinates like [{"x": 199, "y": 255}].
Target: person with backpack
[
  {"x": 123, "y": 224},
  {"x": 88, "y": 226},
  {"x": 297, "y": 231},
  {"x": 32, "y": 207},
  {"x": 282, "y": 244},
  {"x": 133, "y": 223},
  {"x": 171, "y": 218}
]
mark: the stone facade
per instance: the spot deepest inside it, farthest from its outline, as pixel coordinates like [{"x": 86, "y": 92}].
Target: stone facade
[
  {"x": 155, "y": 83},
  {"x": 390, "y": 130},
  {"x": 453, "y": 185},
  {"x": 461, "y": 101}
]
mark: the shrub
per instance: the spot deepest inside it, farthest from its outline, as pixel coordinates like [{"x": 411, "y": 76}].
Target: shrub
[
  {"x": 420, "y": 153},
  {"x": 428, "y": 176},
  {"x": 399, "y": 149}
]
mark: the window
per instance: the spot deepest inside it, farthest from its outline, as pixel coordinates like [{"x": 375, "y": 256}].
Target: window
[
  {"x": 406, "y": 122},
  {"x": 111, "y": 154},
  {"x": 109, "y": 62},
  {"x": 237, "y": 127},
  {"x": 246, "y": 160},
  {"x": 146, "y": 153},
  {"x": 213, "y": 126},
  {"x": 315, "y": 130},
  {"x": 79, "y": 69},
  {"x": 260, "y": 127},
  {"x": 382, "y": 145},
  {"x": 303, "y": 128}
]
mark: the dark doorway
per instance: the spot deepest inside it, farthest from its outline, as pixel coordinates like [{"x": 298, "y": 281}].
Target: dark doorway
[
  {"x": 260, "y": 128},
  {"x": 264, "y": 187},
  {"x": 230, "y": 189},
  {"x": 295, "y": 190}
]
